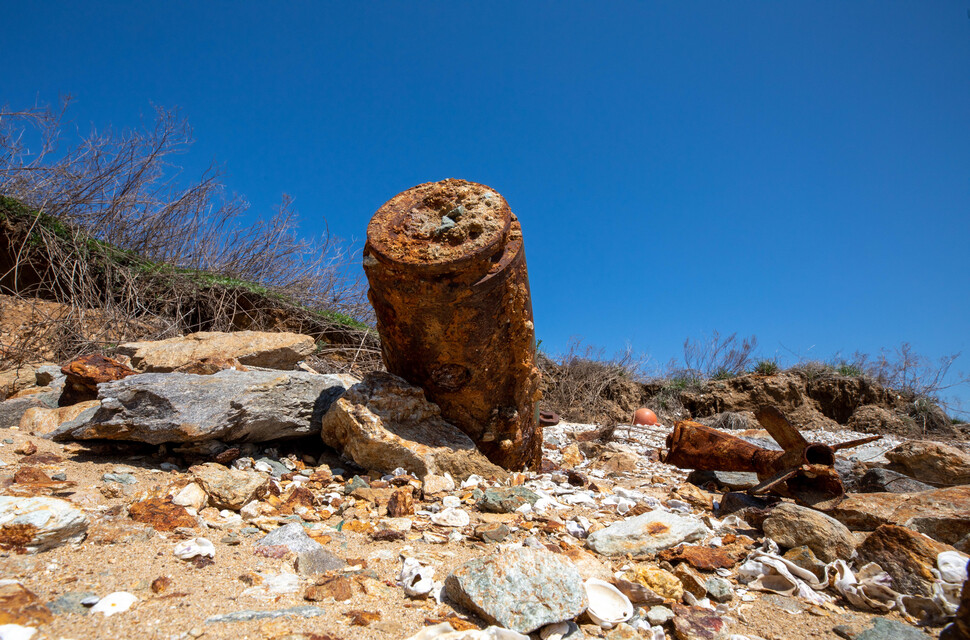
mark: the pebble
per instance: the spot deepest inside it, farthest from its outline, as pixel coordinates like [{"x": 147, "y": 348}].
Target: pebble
[
  {"x": 451, "y": 517},
  {"x": 250, "y": 614},
  {"x": 120, "y": 478},
  {"x": 292, "y": 536}
]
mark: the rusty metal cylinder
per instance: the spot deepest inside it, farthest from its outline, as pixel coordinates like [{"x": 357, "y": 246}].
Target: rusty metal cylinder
[{"x": 449, "y": 285}]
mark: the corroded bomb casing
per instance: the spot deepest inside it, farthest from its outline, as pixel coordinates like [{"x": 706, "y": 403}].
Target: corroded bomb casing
[{"x": 448, "y": 282}]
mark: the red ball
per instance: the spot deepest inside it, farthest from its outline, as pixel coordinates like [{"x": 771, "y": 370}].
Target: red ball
[{"x": 645, "y": 416}]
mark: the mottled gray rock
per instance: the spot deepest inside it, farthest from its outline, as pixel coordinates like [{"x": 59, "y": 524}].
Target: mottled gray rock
[
  {"x": 520, "y": 589},
  {"x": 506, "y": 499},
  {"x": 885, "y": 629},
  {"x": 303, "y": 611},
  {"x": 231, "y": 406},
  {"x": 884, "y": 480},
  {"x": 317, "y": 561},
  {"x": 292, "y": 536},
  {"x": 719, "y": 589},
  {"x": 70, "y": 602},
  {"x": 793, "y": 526},
  {"x": 647, "y": 533}
]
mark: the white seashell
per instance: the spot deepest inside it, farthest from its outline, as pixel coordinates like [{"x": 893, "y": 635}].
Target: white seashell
[
  {"x": 608, "y": 606},
  {"x": 576, "y": 530},
  {"x": 416, "y": 578},
  {"x": 451, "y": 517},
  {"x": 953, "y": 566},
  {"x": 195, "y": 547},
  {"x": 555, "y": 631},
  {"x": 623, "y": 505},
  {"x": 444, "y": 631},
  {"x": 16, "y": 632},
  {"x": 113, "y": 603}
]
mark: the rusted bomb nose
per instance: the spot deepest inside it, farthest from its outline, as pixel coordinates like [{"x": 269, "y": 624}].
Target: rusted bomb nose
[{"x": 449, "y": 285}]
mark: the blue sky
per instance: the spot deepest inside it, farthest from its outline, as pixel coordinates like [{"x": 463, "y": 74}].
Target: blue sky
[{"x": 795, "y": 170}]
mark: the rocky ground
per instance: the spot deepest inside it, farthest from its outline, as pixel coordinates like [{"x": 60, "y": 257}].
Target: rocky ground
[{"x": 160, "y": 501}]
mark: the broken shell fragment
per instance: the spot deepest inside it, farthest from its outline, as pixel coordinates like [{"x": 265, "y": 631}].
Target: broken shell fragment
[
  {"x": 416, "y": 578},
  {"x": 195, "y": 547},
  {"x": 117, "y": 602},
  {"x": 608, "y": 606}
]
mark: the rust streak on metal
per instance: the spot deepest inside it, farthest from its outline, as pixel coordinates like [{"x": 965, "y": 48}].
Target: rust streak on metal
[
  {"x": 449, "y": 285},
  {"x": 802, "y": 470}
]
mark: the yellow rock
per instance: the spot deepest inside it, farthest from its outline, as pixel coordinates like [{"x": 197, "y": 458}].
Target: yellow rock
[
  {"x": 661, "y": 582},
  {"x": 571, "y": 456}
]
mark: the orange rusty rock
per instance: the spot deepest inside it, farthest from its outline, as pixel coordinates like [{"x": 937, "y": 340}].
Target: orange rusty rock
[
  {"x": 361, "y": 618},
  {"x": 401, "y": 504},
  {"x": 162, "y": 514},
  {"x": 450, "y": 288},
  {"x": 85, "y": 373},
  {"x": 299, "y": 497},
  {"x": 706, "y": 558},
  {"x": 19, "y": 605}
]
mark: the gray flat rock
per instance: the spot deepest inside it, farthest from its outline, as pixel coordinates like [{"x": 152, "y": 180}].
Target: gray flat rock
[
  {"x": 231, "y": 406},
  {"x": 648, "y": 533}
]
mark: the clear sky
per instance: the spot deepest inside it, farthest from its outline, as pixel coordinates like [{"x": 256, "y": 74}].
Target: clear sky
[{"x": 795, "y": 170}]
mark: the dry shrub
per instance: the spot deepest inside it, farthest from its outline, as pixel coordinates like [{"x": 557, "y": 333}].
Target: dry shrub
[
  {"x": 108, "y": 227},
  {"x": 585, "y": 386}
]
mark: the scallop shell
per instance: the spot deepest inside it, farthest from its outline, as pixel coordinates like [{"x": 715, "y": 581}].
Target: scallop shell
[{"x": 608, "y": 606}]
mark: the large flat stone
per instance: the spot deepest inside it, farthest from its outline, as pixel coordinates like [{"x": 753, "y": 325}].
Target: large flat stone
[
  {"x": 931, "y": 462},
  {"x": 232, "y": 406},
  {"x": 384, "y": 423},
  {"x": 255, "y": 348},
  {"x": 644, "y": 534},
  {"x": 942, "y": 514},
  {"x": 520, "y": 589}
]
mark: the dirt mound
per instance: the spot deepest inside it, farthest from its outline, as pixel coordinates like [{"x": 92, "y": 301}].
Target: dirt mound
[{"x": 810, "y": 402}]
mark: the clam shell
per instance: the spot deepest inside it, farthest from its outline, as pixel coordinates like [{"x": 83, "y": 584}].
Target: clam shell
[
  {"x": 195, "y": 547},
  {"x": 608, "y": 606}
]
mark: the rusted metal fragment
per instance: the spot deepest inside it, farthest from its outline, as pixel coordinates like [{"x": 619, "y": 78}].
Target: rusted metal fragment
[
  {"x": 162, "y": 514},
  {"x": 85, "y": 373},
  {"x": 449, "y": 285},
  {"x": 802, "y": 470}
]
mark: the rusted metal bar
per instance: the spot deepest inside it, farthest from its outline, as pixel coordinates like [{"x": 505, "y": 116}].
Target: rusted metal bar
[
  {"x": 449, "y": 285},
  {"x": 802, "y": 470}
]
